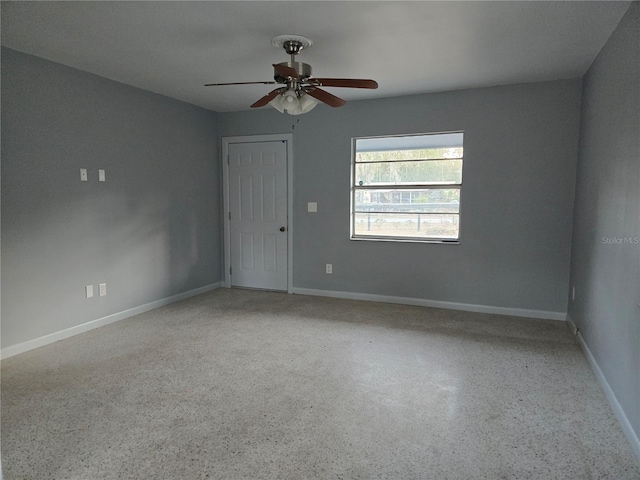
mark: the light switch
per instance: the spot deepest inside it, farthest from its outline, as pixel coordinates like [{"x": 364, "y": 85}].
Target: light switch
[
  {"x": 101, "y": 175},
  {"x": 312, "y": 207},
  {"x": 89, "y": 291},
  {"x": 83, "y": 175}
]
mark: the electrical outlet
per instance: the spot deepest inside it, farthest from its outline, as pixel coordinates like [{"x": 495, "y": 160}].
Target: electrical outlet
[
  {"x": 329, "y": 268},
  {"x": 83, "y": 175},
  {"x": 88, "y": 290},
  {"x": 103, "y": 289}
]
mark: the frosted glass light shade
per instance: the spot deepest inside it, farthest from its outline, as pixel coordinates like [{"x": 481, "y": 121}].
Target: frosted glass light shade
[
  {"x": 307, "y": 103},
  {"x": 290, "y": 101},
  {"x": 277, "y": 104}
]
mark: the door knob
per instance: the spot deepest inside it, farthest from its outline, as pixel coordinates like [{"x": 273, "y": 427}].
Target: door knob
[{"x": 282, "y": 229}]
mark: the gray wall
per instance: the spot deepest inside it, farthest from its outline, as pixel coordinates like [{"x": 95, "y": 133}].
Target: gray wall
[
  {"x": 517, "y": 201},
  {"x": 151, "y": 231},
  {"x": 605, "y": 267}
]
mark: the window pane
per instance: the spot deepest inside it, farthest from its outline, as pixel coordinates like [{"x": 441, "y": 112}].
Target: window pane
[
  {"x": 406, "y": 173},
  {"x": 407, "y": 225},
  {"x": 410, "y": 142},
  {"x": 409, "y": 154},
  {"x": 435, "y": 200}
]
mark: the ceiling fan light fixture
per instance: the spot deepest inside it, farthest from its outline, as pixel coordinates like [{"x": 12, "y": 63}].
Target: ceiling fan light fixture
[{"x": 293, "y": 104}]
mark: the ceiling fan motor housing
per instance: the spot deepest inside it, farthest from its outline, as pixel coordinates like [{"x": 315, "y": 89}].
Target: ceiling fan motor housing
[{"x": 303, "y": 69}]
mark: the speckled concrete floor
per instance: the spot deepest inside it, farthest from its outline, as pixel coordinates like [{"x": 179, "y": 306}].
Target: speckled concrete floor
[{"x": 254, "y": 385}]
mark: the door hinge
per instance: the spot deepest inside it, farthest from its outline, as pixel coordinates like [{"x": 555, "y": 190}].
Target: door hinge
[
  {"x": 229, "y": 215},
  {"x": 230, "y": 270}
]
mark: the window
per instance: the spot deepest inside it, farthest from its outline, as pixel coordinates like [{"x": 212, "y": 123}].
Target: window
[{"x": 407, "y": 187}]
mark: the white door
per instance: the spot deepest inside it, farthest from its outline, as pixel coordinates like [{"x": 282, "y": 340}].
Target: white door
[{"x": 258, "y": 214}]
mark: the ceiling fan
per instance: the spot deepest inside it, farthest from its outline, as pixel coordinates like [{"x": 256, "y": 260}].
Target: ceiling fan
[{"x": 300, "y": 91}]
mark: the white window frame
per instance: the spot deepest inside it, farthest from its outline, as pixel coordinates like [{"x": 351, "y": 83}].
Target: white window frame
[{"x": 408, "y": 187}]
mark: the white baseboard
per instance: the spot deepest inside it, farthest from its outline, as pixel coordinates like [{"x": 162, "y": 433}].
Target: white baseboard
[
  {"x": 101, "y": 322},
  {"x": 572, "y": 326},
  {"x": 611, "y": 396},
  {"x": 467, "y": 307}
]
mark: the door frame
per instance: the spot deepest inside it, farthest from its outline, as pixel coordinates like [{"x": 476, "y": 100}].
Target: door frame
[{"x": 226, "y": 141}]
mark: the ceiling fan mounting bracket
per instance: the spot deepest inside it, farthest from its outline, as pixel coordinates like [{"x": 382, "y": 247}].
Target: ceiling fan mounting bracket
[{"x": 292, "y": 44}]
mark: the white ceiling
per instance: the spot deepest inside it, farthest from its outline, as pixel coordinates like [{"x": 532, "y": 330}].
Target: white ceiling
[{"x": 174, "y": 48}]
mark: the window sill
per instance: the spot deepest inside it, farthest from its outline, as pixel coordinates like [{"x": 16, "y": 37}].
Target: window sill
[{"x": 407, "y": 240}]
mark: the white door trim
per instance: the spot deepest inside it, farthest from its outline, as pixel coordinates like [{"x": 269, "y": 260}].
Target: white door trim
[{"x": 226, "y": 141}]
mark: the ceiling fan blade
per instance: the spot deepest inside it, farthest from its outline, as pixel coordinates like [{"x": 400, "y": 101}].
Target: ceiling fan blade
[
  {"x": 239, "y": 83},
  {"x": 267, "y": 98},
  {"x": 285, "y": 71},
  {"x": 345, "y": 82},
  {"x": 325, "y": 97}
]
